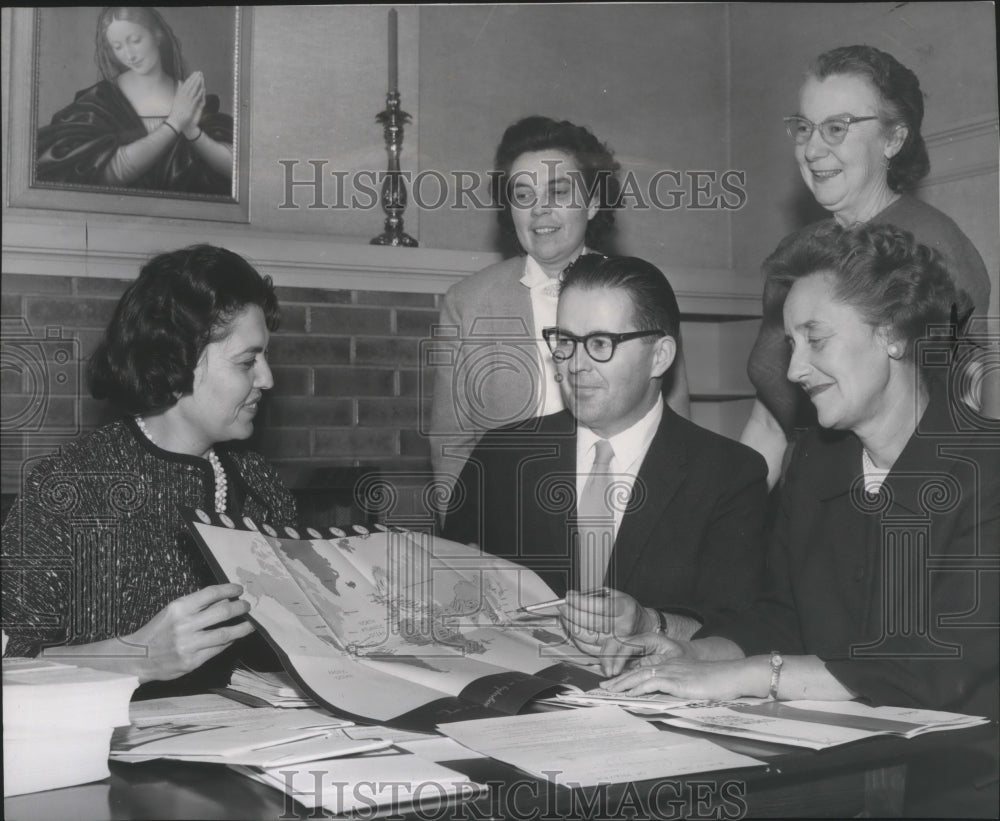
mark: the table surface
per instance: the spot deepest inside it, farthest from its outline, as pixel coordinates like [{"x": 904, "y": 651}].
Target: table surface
[{"x": 793, "y": 782}]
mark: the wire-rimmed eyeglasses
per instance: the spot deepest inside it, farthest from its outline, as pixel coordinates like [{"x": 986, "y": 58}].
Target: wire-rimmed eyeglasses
[
  {"x": 832, "y": 130},
  {"x": 600, "y": 346}
]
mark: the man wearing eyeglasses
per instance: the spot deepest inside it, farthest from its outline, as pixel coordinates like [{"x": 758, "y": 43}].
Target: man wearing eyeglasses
[{"x": 644, "y": 520}]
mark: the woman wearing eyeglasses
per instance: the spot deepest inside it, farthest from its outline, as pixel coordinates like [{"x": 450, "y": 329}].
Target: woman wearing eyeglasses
[{"x": 859, "y": 149}]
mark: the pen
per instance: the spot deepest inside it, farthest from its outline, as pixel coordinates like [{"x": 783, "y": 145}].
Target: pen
[{"x": 600, "y": 593}]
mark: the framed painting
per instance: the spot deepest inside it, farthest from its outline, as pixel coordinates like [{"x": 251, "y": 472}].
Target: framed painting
[{"x": 131, "y": 110}]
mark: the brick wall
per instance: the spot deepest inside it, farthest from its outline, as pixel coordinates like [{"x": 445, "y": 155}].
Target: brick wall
[{"x": 345, "y": 366}]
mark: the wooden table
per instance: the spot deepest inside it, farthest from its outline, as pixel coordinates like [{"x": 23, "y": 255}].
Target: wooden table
[{"x": 865, "y": 777}]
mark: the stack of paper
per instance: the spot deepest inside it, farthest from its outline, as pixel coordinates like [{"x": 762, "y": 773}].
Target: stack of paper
[
  {"x": 275, "y": 689},
  {"x": 399, "y": 782},
  {"x": 817, "y": 724},
  {"x": 57, "y": 723},
  {"x": 185, "y": 709},
  {"x": 265, "y": 737},
  {"x": 602, "y": 745}
]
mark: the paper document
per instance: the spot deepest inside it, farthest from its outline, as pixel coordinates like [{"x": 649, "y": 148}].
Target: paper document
[
  {"x": 438, "y": 748},
  {"x": 905, "y": 721},
  {"x": 262, "y": 737},
  {"x": 394, "y": 625},
  {"x": 203, "y": 707},
  {"x": 587, "y": 747},
  {"x": 399, "y": 782},
  {"x": 647, "y": 704},
  {"x": 274, "y": 689},
  {"x": 816, "y": 724}
]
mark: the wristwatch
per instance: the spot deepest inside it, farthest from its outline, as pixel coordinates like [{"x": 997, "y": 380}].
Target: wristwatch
[{"x": 776, "y": 663}]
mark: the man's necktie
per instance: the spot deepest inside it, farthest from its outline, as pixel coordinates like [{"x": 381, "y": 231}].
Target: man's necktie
[{"x": 595, "y": 521}]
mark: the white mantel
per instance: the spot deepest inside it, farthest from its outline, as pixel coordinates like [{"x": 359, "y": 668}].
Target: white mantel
[{"x": 43, "y": 243}]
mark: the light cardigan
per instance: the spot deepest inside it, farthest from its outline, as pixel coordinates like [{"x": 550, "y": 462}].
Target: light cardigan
[{"x": 487, "y": 370}]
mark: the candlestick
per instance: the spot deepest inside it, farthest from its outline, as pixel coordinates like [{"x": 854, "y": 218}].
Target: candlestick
[
  {"x": 393, "y": 52},
  {"x": 393, "y": 185}
]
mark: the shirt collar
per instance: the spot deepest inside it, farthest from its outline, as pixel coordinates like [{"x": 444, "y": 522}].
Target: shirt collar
[
  {"x": 534, "y": 277},
  {"x": 630, "y": 445}
]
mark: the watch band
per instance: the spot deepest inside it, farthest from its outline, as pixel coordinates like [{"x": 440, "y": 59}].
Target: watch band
[
  {"x": 776, "y": 663},
  {"x": 661, "y": 622}
]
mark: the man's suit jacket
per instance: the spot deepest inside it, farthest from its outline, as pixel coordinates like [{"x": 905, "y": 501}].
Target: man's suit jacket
[{"x": 691, "y": 538}]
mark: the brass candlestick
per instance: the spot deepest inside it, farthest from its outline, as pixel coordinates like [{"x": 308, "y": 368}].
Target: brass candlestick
[{"x": 393, "y": 186}]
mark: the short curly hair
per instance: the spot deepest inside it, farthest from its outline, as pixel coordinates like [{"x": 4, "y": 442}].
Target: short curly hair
[
  {"x": 181, "y": 301},
  {"x": 595, "y": 159},
  {"x": 901, "y": 102},
  {"x": 880, "y": 270}
]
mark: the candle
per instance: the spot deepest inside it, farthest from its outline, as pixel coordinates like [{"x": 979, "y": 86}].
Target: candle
[{"x": 393, "y": 54}]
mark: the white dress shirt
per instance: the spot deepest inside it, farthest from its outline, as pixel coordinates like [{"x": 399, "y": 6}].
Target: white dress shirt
[{"x": 630, "y": 447}]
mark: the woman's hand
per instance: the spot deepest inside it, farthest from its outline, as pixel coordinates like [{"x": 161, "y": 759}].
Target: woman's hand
[
  {"x": 133, "y": 160},
  {"x": 183, "y": 636},
  {"x": 189, "y": 102},
  {"x": 687, "y": 678},
  {"x": 603, "y": 625}
]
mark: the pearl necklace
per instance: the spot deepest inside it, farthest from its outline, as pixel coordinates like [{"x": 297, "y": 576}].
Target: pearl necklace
[{"x": 221, "y": 481}]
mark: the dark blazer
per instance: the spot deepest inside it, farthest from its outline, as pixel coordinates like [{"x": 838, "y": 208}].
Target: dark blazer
[
  {"x": 897, "y": 592},
  {"x": 691, "y": 538}
]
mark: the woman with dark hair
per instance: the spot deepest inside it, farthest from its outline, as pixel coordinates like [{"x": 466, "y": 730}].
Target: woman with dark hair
[
  {"x": 882, "y": 580},
  {"x": 556, "y": 190},
  {"x": 147, "y": 124},
  {"x": 859, "y": 149},
  {"x": 105, "y": 573}
]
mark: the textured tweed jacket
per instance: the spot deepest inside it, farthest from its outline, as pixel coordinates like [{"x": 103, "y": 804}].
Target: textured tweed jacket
[{"x": 95, "y": 546}]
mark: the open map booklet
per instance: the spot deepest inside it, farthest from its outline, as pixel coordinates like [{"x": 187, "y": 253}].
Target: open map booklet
[{"x": 393, "y": 625}]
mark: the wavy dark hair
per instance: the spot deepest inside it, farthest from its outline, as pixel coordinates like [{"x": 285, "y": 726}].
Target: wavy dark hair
[
  {"x": 901, "y": 102},
  {"x": 181, "y": 301},
  {"x": 595, "y": 160},
  {"x": 151, "y": 20},
  {"x": 881, "y": 271},
  {"x": 654, "y": 304}
]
